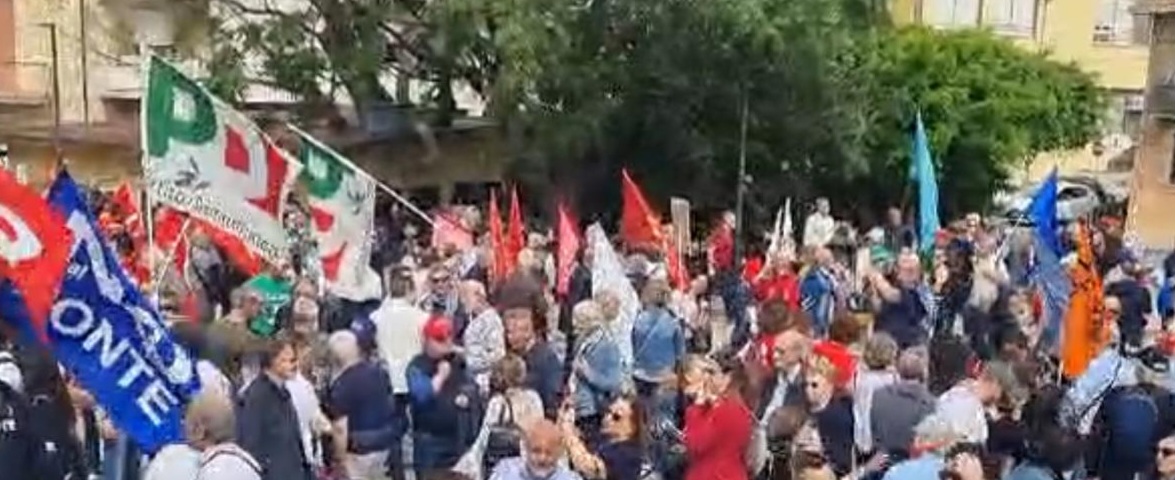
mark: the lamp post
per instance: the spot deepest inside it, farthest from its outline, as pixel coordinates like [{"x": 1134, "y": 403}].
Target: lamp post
[{"x": 741, "y": 189}]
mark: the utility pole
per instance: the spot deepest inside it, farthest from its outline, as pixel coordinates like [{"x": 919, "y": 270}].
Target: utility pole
[
  {"x": 85, "y": 58},
  {"x": 52, "y": 27},
  {"x": 741, "y": 192}
]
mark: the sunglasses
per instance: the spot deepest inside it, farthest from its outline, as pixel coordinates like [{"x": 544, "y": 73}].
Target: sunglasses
[{"x": 1166, "y": 451}]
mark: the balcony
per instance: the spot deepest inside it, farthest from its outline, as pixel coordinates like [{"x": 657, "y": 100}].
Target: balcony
[
  {"x": 1160, "y": 102},
  {"x": 28, "y": 102}
]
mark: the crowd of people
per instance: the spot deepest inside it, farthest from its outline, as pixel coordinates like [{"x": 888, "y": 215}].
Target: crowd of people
[{"x": 841, "y": 355}]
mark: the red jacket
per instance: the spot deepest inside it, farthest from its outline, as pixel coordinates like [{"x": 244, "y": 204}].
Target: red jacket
[
  {"x": 841, "y": 358},
  {"x": 716, "y": 439},
  {"x": 785, "y": 287}
]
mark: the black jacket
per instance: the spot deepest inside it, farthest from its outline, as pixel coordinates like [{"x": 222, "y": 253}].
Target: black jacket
[
  {"x": 19, "y": 448},
  {"x": 268, "y": 429}
]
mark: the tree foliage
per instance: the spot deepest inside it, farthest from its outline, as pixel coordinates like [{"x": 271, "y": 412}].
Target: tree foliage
[{"x": 585, "y": 87}]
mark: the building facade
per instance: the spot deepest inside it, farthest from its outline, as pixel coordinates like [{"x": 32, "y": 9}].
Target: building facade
[
  {"x": 1105, "y": 37},
  {"x": 98, "y": 57}
]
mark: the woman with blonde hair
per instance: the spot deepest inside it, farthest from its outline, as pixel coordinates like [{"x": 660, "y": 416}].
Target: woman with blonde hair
[
  {"x": 718, "y": 422},
  {"x": 832, "y": 412},
  {"x": 596, "y": 372}
]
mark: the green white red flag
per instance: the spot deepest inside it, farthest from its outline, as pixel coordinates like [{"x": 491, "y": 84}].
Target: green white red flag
[
  {"x": 342, "y": 213},
  {"x": 204, "y": 158}
]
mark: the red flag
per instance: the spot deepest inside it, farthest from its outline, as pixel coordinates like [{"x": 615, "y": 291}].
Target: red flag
[
  {"x": 678, "y": 274},
  {"x": 448, "y": 230},
  {"x": 127, "y": 202},
  {"x": 639, "y": 225},
  {"x": 568, "y": 244},
  {"x": 35, "y": 247},
  {"x": 501, "y": 267},
  {"x": 170, "y": 237},
  {"x": 515, "y": 232}
]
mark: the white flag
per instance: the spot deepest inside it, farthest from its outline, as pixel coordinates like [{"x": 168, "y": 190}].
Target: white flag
[
  {"x": 206, "y": 159},
  {"x": 342, "y": 212},
  {"x": 608, "y": 275}
]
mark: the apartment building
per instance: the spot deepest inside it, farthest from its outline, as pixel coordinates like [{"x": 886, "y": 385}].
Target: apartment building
[{"x": 1105, "y": 37}]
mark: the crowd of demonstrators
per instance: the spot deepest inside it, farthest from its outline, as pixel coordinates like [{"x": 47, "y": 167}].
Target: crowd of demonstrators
[{"x": 845, "y": 355}]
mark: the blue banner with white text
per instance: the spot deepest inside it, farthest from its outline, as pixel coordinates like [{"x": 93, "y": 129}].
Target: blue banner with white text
[{"x": 109, "y": 337}]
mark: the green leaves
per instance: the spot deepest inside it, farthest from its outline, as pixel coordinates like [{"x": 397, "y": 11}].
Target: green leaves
[{"x": 585, "y": 87}]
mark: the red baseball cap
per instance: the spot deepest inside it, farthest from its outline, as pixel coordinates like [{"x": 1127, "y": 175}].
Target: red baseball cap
[{"x": 438, "y": 329}]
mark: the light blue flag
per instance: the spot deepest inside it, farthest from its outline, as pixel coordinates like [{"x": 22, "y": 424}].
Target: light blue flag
[
  {"x": 105, "y": 333},
  {"x": 923, "y": 168}
]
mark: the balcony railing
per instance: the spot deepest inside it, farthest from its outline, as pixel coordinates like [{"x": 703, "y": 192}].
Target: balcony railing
[{"x": 1160, "y": 102}]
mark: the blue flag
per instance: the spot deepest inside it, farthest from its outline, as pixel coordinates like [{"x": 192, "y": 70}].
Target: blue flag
[
  {"x": 1047, "y": 272},
  {"x": 923, "y": 168},
  {"x": 1043, "y": 213},
  {"x": 106, "y": 334}
]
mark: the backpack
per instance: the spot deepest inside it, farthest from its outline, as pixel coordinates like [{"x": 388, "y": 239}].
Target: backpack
[
  {"x": 504, "y": 438},
  {"x": 1130, "y": 424}
]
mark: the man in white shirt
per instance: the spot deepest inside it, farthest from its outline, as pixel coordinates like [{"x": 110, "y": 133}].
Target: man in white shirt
[
  {"x": 965, "y": 404},
  {"x": 820, "y": 226},
  {"x": 398, "y": 322},
  {"x": 210, "y": 427}
]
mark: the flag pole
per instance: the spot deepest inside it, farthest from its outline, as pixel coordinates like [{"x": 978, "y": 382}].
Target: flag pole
[
  {"x": 382, "y": 186},
  {"x": 157, "y": 276},
  {"x": 147, "y": 210}
]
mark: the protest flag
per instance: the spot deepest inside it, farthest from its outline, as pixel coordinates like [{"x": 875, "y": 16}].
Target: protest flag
[
  {"x": 342, "y": 209},
  {"x": 640, "y": 226},
  {"x": 1048, "y": 275},
  {"x": 107, "y": 335},
  {"x": 608, "y": 275},
  {"x": 205, "y": 159},
  {"x": 1084, "y": 333},
  {"x": 515, "y": 230},
  {"x": 568, "y": 241},
  {"x": 34, "y": 252},
  {"x": 502, "y": 265},
  {"x": 448, "y": 231},
  {"x": 923, "y": 169}
]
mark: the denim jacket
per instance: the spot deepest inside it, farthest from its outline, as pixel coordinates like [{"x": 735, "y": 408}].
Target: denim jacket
[
  {"x": 598, "y": 372},
  {"x": 657, "y": 343}
]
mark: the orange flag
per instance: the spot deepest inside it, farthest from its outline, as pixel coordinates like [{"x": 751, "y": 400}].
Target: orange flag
[
  {"x": 1084, "y": 333},
  {"x": 515, "y": 232},
  {"x": 639, "y": 224},
  {"x": 501, "y": 266},
  {"x": 569, "y": 243}
]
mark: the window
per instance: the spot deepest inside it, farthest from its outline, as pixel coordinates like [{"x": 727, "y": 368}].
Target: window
[
  {"x": 1115, "y": 23},
  {"x": 1016, "y": 17},
  {"x": 1124, "y": 115},
  {"x": 952, "y": 13}
]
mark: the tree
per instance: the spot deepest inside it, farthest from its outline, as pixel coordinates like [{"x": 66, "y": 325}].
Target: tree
[
  {"x": 585, "y": 88},
  {"x": 988, "y": 105}
]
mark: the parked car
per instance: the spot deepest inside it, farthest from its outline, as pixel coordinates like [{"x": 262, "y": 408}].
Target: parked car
[{"x": 1077, "y": 196}]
